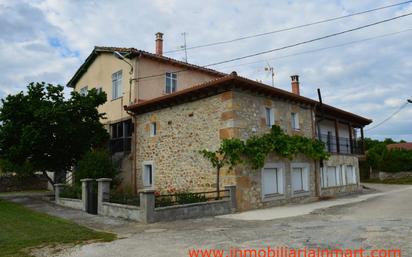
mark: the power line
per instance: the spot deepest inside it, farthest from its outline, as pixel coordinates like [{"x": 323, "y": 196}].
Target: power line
[
  {"x": 288, "y": 46},
  {"x": 320, "y": 49},
  {"x": 289, "y": 28},
  {"x": 389, "y": 117},
  {"x": 309, "y": 41}
]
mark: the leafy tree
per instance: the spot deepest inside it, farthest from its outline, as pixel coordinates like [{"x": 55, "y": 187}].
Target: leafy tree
[
  {"x": 43, "y": 131},
  {"x": 95, "y": 164}
]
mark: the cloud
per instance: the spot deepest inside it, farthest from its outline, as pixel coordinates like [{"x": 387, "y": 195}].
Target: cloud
[{"x": 47, "y": 40}]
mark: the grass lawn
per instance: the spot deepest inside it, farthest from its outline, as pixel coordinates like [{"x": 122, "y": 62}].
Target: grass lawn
[
  {"x": 22, "y": 228},
  {"x": 399, "y": 181}
]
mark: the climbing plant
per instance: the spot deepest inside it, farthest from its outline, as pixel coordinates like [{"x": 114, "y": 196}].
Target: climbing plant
[{"x": 254, "y": 150}]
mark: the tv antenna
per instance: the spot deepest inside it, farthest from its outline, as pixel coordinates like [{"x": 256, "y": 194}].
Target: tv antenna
[
  {"x": 184, "y": 46},
  {"x": 270, "y": 69}
]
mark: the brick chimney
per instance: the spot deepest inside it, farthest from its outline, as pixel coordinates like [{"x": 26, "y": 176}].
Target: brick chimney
[
  {"x": 159, "y": 43},
  {"x": 295, "y": 84}
]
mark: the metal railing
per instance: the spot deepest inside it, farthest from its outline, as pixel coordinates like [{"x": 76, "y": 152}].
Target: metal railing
[
  {"x": 187, "y": 198},
  {"x": 124, "y": 198},
  {"x": 120, "y": 145},
  {"x": 345, "y": 145}
]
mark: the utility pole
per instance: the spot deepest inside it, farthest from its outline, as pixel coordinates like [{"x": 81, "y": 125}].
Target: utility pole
[
  {"x": 270, "y": 69},
  {"x": 184, "y": 46}
]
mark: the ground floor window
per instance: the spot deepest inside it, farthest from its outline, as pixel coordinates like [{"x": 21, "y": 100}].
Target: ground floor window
[
  {"x": 330, "y": 176},
  {"x": 338, "y": 175},
  {"x": 300, "y": 177},
  {"x": 148, "y": 174},
  {"x": 272, "y": 181},
  {"x": 350, "y": 174}
]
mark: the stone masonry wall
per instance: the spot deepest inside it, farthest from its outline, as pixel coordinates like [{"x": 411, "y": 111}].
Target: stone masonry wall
[
  {"x": 337, "y": 160},
  {"x": 182, "y": 131},
  {"x": 249, "y": 119}
]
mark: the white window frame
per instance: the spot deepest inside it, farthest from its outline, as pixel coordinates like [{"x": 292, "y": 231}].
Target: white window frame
[
  {"x": 305, "y": 176},
  {"x": 295, "y": 120},
  {"x": 280, "y": 179},
  {"x": 172, "y": 76},
  {"x": 270, "y": 117},
  {"x": 145, "y": 177},
  {"x": 117, "y": 88},
  {"x": 153, "y": 129},
  {"x": 83, "y": 91}
]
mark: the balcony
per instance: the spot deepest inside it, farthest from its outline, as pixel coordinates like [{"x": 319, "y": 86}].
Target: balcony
[
  {"x": 120, "y": 145},
  {"x": 346, "y": 146}
]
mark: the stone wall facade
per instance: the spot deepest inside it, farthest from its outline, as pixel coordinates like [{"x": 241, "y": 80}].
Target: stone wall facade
[
  {"x": 11, "y": 183},
  {"x": 185, "y": 129},
  {"x": 182, "y": 131},
  {"x": 394, "y": 175},
  {"x": 339, "y": 161}
]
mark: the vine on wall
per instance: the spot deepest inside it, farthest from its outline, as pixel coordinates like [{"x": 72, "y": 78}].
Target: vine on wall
[{"x": 254, "y": 150}]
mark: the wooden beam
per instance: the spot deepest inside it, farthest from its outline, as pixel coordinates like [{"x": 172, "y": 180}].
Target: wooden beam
[
  {"x": 362, "y": 141},
  {"x": 337, "y": 136},
  {"x": 350, "y": 138}
]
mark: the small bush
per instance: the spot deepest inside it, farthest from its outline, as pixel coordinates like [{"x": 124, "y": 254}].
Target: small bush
[
  {"x": 74, "y": 191},
  {"x": 95, "y": 164},
  {"x": 163, "y": 201},
  {"x": 187, "y": 197}
]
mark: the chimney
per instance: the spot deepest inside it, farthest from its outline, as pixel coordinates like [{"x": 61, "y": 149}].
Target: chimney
[
  {"x": 295, "y": 84},
  {"x": 159, "y": 43}
]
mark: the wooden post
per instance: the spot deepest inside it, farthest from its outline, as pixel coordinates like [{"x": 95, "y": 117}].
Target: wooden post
[
  {"x": 350, "y": 138},
  {"x": 362, "y": 141},
  {"x": 337, "y": 136}
]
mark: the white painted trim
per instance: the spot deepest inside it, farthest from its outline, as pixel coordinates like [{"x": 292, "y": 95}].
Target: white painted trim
[{"x": 144, "y": 163}]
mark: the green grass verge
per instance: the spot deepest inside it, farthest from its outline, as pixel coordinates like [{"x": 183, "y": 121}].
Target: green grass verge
[
  {"x": 399, "y": 181},
  {"x": 22, "y": 228}
]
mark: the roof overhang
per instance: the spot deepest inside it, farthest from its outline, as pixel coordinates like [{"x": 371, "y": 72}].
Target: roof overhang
[
  {"x": 131, "y": 53},
  {"x": 234, "y": 82}
]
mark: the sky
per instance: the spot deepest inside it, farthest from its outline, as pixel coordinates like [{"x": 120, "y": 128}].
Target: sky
[{"x": 47, "y": 40}]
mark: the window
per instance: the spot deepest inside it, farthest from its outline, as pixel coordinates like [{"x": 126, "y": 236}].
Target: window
[
  {"x": 350, "y": 174},
  {"x": 328, "y": 176},
  {"x": 171, "y": 82},
  {"x": 99, "y": 89},
  {"x": 300, "y": 178},
  {"x": 120, "y": 136},
  {"x": 295, "y": 121},
  {"x": 270, "y": 117},
  {"x": 83, "y": 91},
  {"x": 153, "y": 129},
  {"x": 117, "y": 85},
  {"x": 272, "y": 181},
  {"x": 147, "y": 174}
]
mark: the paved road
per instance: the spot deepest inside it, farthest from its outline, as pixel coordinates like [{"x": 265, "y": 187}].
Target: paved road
[{"x": 383, "y": 222}]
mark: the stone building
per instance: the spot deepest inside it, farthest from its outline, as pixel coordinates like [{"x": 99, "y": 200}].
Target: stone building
[{"x": 171, "y": 129}]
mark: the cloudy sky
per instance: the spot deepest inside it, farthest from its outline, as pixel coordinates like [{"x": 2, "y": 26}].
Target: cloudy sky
[{"x": 368, "y": 71}]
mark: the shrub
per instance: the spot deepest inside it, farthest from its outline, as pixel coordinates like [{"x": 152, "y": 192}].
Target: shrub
[
  {"x": 74, "y": 191},
  {"x": 396, "y": 160},
  {"x": 95, "y": 164},
  {"x": 187, "y": 197},
  {"x": 162, "y": 201}
]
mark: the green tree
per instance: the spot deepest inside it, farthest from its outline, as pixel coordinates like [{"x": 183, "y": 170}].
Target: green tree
[
  {"x": 43, "y": 131},
  {"x": 95, "y": 164}
]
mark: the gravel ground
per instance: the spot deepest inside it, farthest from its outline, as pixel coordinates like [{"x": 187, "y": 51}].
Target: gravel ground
[{"x": 383, "y": 222}]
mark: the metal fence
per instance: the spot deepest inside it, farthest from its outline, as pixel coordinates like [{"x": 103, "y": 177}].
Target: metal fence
[
  {"x": 124, "y": 198},
  {"x": 345, "y": 145},
  {"x": 187, "y": 197}
]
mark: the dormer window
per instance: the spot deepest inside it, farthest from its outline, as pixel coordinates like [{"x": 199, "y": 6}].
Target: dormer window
[{"x": 171, "y": 82}]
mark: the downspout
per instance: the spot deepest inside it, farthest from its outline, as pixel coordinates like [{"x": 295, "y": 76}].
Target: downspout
[
  {"x": 315, "y": 128},
  {"x": 134, "y": 119}
]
